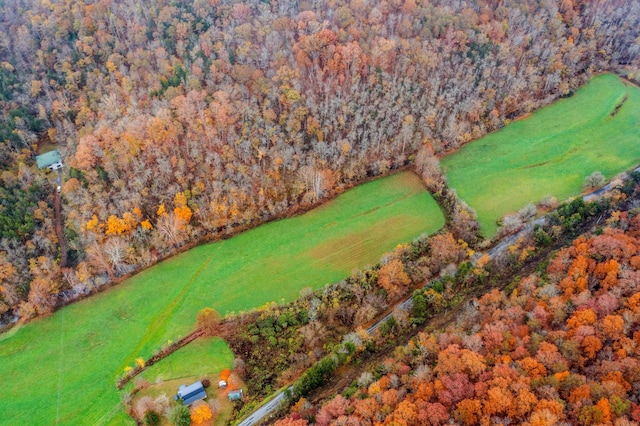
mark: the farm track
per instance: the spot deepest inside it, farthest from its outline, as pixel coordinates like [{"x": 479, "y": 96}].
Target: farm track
[{"x": 58, "y": 222}]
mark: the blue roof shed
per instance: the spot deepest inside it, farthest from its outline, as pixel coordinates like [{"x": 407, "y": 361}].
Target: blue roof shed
[
  {"x": 235, "y": 395},
  {"x": 190, "y": 394}
]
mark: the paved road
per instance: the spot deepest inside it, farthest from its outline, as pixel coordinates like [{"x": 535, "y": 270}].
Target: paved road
[
  {"x": 507, "y": 241},
  {"x": 265, "y": 410},
  {"x": 405, "y": 306},
  {"x": 601, "y": 191},
  {"x": 272, "y": 405}
]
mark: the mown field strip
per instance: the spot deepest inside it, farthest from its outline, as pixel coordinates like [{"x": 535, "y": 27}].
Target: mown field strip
[
  {"x": 550, "y": 152},
  {"x": 270, "y": 263}
]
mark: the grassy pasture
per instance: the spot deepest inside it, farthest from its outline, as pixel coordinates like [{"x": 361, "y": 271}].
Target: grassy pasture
[
  {"x": 62, "y": 369},
  {"x": 550, "y": 152},
  {"x": 203, "y": 357}
]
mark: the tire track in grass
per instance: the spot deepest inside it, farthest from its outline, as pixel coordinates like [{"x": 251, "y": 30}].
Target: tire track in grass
[
  {"x": 160, "y": 321},
  {"x": 109, "y": 415},
  {"x": 13, "y": 330},
  {"x": 60, "y": 365}
]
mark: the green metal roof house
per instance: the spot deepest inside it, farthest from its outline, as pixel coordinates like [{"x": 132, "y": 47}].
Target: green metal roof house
[{"x": 51, "y": 160}]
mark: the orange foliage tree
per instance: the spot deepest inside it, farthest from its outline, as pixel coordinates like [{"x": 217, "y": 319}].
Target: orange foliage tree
[
  {"x": 201, "y": 414},
  {"x": 393, "y": 279}
]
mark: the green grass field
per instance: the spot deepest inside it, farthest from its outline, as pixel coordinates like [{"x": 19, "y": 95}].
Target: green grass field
[
  {"x": 63, "y": 369},
  {"x": 549, "y": 153},
  {"x": 203, "y": 357}
]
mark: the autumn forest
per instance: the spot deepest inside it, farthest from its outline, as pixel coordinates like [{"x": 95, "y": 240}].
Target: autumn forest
[{"x": 181, "y": 123}]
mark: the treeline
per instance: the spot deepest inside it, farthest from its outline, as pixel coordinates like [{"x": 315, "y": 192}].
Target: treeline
[
  {"x": 182, "y": 120},
  {"x": 278, "y": 343}
]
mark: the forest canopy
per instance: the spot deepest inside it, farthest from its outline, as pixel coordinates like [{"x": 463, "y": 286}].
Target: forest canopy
[{"x": 179, "y": 120}]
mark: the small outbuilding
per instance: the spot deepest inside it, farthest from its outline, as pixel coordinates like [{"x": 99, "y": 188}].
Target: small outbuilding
[
  {"x": 51, "y": 160},
  {"x": 190, "y": 394},
  {"x": 235, "y": 395}
]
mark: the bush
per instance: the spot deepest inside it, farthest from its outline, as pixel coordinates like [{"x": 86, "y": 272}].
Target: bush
[
  {"x": 510, "y": 224},
  {"x": 315, "y": 376},
  {"x": 163, "y": 404},
  {"x": 419, "y": 308},
  {"x": 387, "y": 327},
  {"x": 205, "y": 383},
  {"x": 180, "y": 416},
  {"x": 593, "y": 180},
  {"x": 548, "y": 203},
  {"x": 151, "y": 418},
  {"x": 541, "y": 238},
  {"x": 144, "y": 405},
  {"x": 528, "y": 212}
]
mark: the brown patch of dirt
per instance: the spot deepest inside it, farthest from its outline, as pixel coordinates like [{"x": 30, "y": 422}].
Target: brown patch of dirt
[
  {"x": 409, "y": 180},
  {"x": 341, "y": 252}
]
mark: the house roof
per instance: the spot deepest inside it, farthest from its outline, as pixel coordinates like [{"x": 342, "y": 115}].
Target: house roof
[
  {"x": 48, "y": 158},
  {"x": 191, "y": 393}
]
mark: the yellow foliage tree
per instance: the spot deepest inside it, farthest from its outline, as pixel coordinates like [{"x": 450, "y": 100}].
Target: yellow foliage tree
[
  {"x": 180, "y": 200},
  {"x": 83, "y": 272},
  {"x": 116, "y": 226},
  {"x": 183, "y": 213},
  {"x": 181, "y": 210},
  {"x": 93, "y": 223},
  {"x": 130, "y": 221},
  {"x": 226, "y": 374},
  {"x": 45, "y": 284},
  {"x": 479, "y": 268},
  {"x": 591, "y": 345},
  {"x": 582, "y": 317}
]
